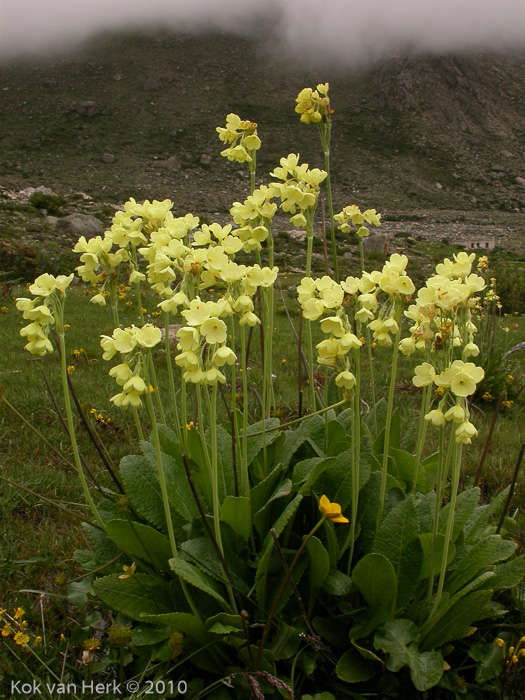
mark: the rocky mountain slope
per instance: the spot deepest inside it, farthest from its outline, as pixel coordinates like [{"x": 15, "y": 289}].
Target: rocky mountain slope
[{"x": 135, "y": 115}]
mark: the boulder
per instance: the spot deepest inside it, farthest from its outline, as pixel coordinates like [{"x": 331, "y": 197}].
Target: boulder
[{"x": 76, "y": 225}]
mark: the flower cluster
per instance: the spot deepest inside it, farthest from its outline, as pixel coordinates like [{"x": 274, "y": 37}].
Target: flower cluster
[
  {"x": 253, "y": 218},
  {"x": 299, "y": 188},
  {"x": 314, "y": 105},
  {"x": 98, "y": 261},
  {"x": 43, "y": 311},
  {"x": 202, "y": 342},
  {"x": 352, "y": 216},
  {"x": 442, "y": 312},
  {"x": 129, "y": 374},
  {"x": 241, "y": 137},
  {"x": 16, "y": 627}
]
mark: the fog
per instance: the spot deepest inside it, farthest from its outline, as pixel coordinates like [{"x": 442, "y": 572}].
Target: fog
[{"x": 347, "y": 32}]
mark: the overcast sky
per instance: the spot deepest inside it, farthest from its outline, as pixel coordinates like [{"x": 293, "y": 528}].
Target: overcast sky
[{"x": 348, "y": 31}]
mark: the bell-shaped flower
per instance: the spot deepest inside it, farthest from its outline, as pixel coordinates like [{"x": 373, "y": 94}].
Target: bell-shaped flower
[
  {"x": 436, "y": 417},
  {"x": 124, "y": 340},
  {"x": 148, "y": 336},
  {"x": 456, "y": 414},
  {"x": 224, "y": 355},
  {"x": 333, "y": 325},
  {"x": 424, "y": 375},
  {"x": 465, "y": 432},
  {"x": 122, "y": 373},
  {"x": 345, "y": 380}
]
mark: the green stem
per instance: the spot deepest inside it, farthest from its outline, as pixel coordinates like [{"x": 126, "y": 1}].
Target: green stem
[
  {"x": 437, "y": 510},
  {"x": 216, "y": 508},
  {"x": 71, "y": 427},
  {"x": 245, "y": 480},
  {"x": 165, "y": 499},
  {"x": 454, "y": 485},
  {"x": 422, "y": 431},
  {"x": 331, "y": 211},
  {"x": 171, "y": 378},
  {"x": 389, "y": 412},
  {"x": 138, "y": 425},
  {"x": 368, "y": 338},
  {"x": 310, "y": 350}
]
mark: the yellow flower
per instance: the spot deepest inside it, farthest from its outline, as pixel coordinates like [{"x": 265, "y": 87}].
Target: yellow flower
[
  {"x": 128, "y": 571},
  {"x": 70, "y": 368},
  {"x": 331, "y": 511},
  {"x": 21, "y": 639},
  {"x": 19, "y": 613}
]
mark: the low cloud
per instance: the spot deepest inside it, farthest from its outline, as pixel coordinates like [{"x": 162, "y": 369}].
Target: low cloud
[{"x": 347, "y": 32}]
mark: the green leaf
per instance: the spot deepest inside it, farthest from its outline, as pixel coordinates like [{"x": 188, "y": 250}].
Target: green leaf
[
  {"x": 455, "y": 622},
  {"x": 315, "y": 473},
  {"x": 224, "y": 623},
  {"x": 141, "y": 541},
  {"x": 262, "y": 567},
  {"x": 479, "y": 519},
  {"x": 489, "y": 658},
  {"x": 337, "y": 583},
  {"x": 295, "y": 438},
  {"x": 144, "y": 635},
  {"x": 142, "y": 488},
  {"x": 183, "y": 622},
  {"x": 78, "y": 592},
  {"x": 319, "y": 564},
  {"x": 260, "y": 493},
  {"x": 484, "y": 553},
  {"x": 336, "y": 436},
  {"x": 427, "y": 570},
  {"x": 236, "y": 511},
  {"x": 345, "y": 418},
  {"x": 191, "y": 574},
  {"x": 398, "y": 540},
  {"x": 256, "y": 444},
  {"x": 398, "y": 638},
  {"x": 352, "y": 668},
  {"x": 135, "y": 596},
  {"x": 507, "y": 575},
  {"x": 201, "y": 552},
  {"x": 395, "y": 431},
  {"x": 180, "y": 495},
  {"x": 337, "y": 480},
  {"x": 375, "y": 577},
  {"x": 465, "y": 506}
]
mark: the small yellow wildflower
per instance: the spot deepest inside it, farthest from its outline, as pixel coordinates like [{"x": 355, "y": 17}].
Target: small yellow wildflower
[
  {"x": 70, "y": 368},
  {"x": 128, "y": 571},
  {"x": 516, "y": 326},
  {"x": 439, "y": 391},
  {"x": 62, "y": 638},
  {"x": 66, "y": 325},
  {"x": 189, "y": 425},
  {"x": 3, "y": 309},
  {"x": 331, "y": 511},
  {"x": 7, "y": 630},
  {"x": 487, "y": 396},
  {"x": 37, "y": 641},
  {"x": 21, "y": 639},
  {"x": 283, "y": 361},
  {"x": 19, "y": 613},
  {"x": 505, "y": 329},
  {"x": 152, "y": 389},
  {"x": 507, "y": 404}
]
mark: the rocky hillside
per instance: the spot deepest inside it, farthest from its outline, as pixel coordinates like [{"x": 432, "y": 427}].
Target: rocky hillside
[{"x": 135, "y": 115}]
